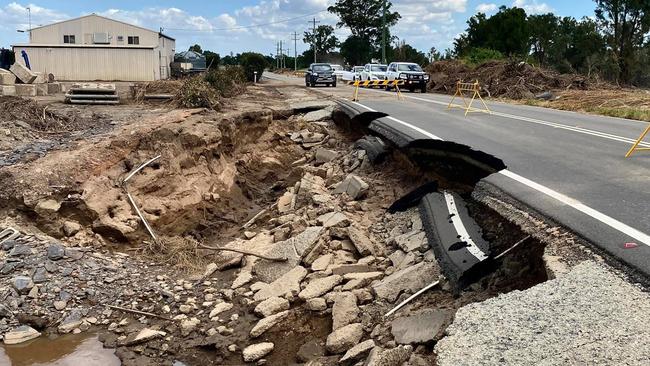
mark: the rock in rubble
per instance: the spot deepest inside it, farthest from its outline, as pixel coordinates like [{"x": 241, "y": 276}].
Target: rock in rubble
[
  {"x": 244, "y": 277},
  {"x": 294, "y": 249},
  {"x": 316, "y": 304},
  {"x": 421, "y": 327},
  {"x": 311, "y": 350},
  {"x": 333, "y": 219},
  {"x": 412, "y": 241},
  {"x": 5, "y": 312},
  {"x": 390, "y": 357},
  {"x": 21, "y": 334},
  {"x": 325, "y": 155},
  {"x": 70, "y": 228},
  {"x": 289, "y": 283},
  {"x": 55, "y": 252},
  {"x": 47, "y": 207},
  {"x": 409, "y": 279},
  {"x": 220, "y": 308},
  {"x": 188, "y": 325},
  {"x": 22, "y": 284},
  {"x": 345, "y": 310},
  {"x": 357, "y": 352},
  {"x": 363, "y": 244},
  {"x": 142, "y": 336},
  {"x": 318, "y": 115},
  {"x": 354, "y": 186},
  {"x": 319, "y": 287},
  {"x": 344, "y": 338},
  {"x": 72, "y": 321},
  {"x": 267, "y": 323},
  {"x": 256, "y": 351},
  {"x": 271, "y": 306},
  {"x": 321, "y": 263},
  {"x": 20, "y": 250}
]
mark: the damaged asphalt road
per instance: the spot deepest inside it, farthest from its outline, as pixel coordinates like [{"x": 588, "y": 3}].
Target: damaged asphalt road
[{"x": 565, "y": 165}]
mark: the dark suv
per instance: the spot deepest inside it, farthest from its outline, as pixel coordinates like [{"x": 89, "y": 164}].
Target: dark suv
[{"x": 320, "y": 74}]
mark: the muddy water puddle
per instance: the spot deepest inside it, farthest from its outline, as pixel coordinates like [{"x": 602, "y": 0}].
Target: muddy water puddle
[{"x": 67, "y": 350}]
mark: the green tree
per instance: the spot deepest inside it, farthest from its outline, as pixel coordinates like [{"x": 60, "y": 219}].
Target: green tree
[
  {"x": 322, "y": 38},
  {"x": 196, "y": 48},
  {"x": 356, "y": 50},
  {"x": 364, "y": 18},
  {"x": 406, "y": 53},
  {"x": 543, "y": 35},
  {"x": 506, "y": 31},
  {"x": 253, "y": 62},
  {"x": 625, "y": 24},
  {"x": 212, "y": 59}
]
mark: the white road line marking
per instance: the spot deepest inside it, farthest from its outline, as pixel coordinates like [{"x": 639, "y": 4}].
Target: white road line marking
[
  {"x": 460, "y": 228},
  {"x": 551, "y": 124},
  {"x": 597, "y": 215}
]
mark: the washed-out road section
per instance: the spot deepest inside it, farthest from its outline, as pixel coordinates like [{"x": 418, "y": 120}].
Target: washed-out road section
[{"x": 568, "y": 166}]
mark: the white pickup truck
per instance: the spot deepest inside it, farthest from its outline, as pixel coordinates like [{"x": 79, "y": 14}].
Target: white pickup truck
[{"x": 412, "y": 74}]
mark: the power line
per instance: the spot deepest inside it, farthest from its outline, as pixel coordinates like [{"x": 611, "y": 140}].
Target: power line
[
  {"x": 246, "y": 26},
  {"x": 314, "y": 21}
]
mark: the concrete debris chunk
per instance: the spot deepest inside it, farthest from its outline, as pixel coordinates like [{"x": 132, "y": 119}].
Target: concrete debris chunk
[
  {"x": 323, "y": 155},
  {"x": 344, "y": 338},
  {"x": 22, "y": 284},
  {"x": 421, "y": 327},
  {"x": 319, "y": 287},
  {"x": 256, "y": 351},
  {"x": 26, "y": 90},
  {"x": 321, "y": 263},
  {"x": 319, "y": 115},
  {"x": 412, "y": 241},
  {"x": 144, "y": 335},
  {"x": 289, "y": 283},
  {"x": 25, "y": 75},
  {"x": 267, "y": 323},
  {"x": 220, "y": 308},
  {"x": 333, "y": 219},
  {"x": 390, "y": 357},
  {"x": 363, "y": 244},
  {"x": 409, "y": 279},
  {"x": 357, "y": 352},
  {"x": 271, "y": 306},
  {"x": 345, "y": 310},
  {"x": 294, "y": 249},
  {"x": 354, "y": 186},
  {"x": 21, "y": 334}
]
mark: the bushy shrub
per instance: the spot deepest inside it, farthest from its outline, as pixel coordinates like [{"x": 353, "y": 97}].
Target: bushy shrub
[
  {"x": 478, "y": 55},
  {"x": 195, "y": 92},
  {"x": 227, "y": 81},
  {"x": 251, "y": 62}
]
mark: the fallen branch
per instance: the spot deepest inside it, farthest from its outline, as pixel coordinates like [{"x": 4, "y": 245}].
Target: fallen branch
[
  {"x": 245, "y": 252},
  {"x": 138, "y": 312}
]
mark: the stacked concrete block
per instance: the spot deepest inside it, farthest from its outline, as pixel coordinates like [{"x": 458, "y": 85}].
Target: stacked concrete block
[
  {"x": 8, "y": 90},
  {"x": 40, "y": 78},
  {"x": 26, "y": 90},
  {"x": 23, "y": 73},
  {"x": 41, "y": 89},
  {"x": 53, "y": 88},
  {"x": 7, "y": 78}
]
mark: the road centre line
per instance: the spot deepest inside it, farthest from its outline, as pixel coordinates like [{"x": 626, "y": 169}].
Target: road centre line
[{"x": 577, "y": 205}]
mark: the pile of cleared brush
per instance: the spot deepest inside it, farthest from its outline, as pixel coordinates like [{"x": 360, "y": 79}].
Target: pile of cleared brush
[
  {"x": 38, "y": 116},
  {"x": 510, "y": 79}
]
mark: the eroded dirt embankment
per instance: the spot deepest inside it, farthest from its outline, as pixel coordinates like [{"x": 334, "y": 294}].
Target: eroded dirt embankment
[{"x": 275, "y": 177}]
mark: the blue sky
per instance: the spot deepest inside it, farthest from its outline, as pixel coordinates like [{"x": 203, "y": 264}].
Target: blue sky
[{"x": 213, "y": 24}]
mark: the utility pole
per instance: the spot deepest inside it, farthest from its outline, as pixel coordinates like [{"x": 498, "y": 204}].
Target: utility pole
[
  {"x": 295, "y": 51},
  {"x": 288, "y": 53},
  {"x": 29, "y": 15},
  {"x": 277, "y": 55},
  {"x": 383, "y": 35},
  {"x": 314, "y": 21},
  {"x": 281, "y": 56}
]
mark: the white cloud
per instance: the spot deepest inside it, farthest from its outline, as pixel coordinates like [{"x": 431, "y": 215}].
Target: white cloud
[
  {"x": 533, "y": 7},
  {"x": 16, "y": 16},
  {"x": 486, "y": 8}
]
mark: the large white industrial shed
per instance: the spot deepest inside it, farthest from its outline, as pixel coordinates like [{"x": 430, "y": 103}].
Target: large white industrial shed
[{"x": 96, "y": 48}]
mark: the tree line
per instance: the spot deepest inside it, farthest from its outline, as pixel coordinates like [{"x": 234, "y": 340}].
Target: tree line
[{"x": 613, "y": 45}]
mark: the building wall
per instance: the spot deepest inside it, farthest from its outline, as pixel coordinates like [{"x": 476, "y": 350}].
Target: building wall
[
  {"x": 83, "y": 29},
  {"x": 165, "y": 55},
  {"x": 83, "y": 63}
]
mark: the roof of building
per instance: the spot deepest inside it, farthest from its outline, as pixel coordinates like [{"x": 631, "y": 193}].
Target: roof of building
[{"x": 103, "y": 17}]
